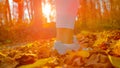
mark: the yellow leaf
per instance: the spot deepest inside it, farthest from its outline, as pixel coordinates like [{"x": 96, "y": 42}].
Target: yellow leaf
[
  {"x": 38, "y": 63},
  {"x": 83, "y": 53}
]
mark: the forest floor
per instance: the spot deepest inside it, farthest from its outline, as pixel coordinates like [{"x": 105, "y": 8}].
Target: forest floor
[{"x": 95, "y": 52}]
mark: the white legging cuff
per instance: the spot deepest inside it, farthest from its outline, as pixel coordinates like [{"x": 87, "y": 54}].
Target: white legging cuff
[
  {"x": 66, "y": 11},
  {"x": 65, "y": 25}
]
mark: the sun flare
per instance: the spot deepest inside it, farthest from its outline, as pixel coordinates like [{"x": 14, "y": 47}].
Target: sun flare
[{"x": 48, "y": 11}]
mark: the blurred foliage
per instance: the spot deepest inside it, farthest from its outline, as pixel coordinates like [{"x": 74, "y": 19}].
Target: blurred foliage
[
  {"x": 23, "y": 32},
  {"x": 98, "y": 15}
]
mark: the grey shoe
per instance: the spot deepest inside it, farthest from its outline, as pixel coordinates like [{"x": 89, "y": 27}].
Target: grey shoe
[{"x": 60, "y": 47}]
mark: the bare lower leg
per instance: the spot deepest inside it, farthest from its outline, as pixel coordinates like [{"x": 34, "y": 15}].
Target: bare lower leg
[{"x": 65, "y": 35}]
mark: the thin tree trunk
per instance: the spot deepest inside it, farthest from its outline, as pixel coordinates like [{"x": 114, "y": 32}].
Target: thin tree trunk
[
  {"x": 20, "y": 10},
  {"x": 8, "y": 11},
  {"x": 37, "y": 16}
]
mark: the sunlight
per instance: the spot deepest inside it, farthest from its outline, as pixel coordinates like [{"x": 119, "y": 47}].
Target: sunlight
[{"x": 48, "y": 11}]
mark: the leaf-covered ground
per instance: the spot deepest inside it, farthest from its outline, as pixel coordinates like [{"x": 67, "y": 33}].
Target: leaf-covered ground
[{"x": 94, "y": 52}]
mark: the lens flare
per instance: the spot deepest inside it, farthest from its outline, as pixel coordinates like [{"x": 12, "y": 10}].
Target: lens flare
[{"x": 47, "y": 11}]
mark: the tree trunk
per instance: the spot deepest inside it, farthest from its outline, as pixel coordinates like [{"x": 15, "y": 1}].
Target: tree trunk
[
  {"x": 37, "y": 15},
  {"x": 20, "y": 11},
  {"x": 8, "y": 11}
]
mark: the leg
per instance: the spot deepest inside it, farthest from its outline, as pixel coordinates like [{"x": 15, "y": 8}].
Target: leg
[{"x": 66, "y": 13}]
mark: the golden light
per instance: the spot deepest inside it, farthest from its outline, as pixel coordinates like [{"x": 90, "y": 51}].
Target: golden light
[{"x": 48, "y": 11}]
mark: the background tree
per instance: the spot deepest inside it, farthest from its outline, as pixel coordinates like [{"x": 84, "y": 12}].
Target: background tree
[
  {"x": 37, "y": 12},
  {"x": 98, "y": 14}
]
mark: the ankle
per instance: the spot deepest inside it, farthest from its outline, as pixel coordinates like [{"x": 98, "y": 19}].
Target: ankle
[{"x": 65, "y": 35}]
